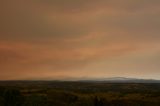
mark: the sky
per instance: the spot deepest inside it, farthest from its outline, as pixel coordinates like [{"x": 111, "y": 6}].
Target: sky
[{"x": 59, "y": 39}]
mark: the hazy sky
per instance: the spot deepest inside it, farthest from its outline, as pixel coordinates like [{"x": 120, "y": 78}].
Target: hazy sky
[{"x": 55, "y": 39}]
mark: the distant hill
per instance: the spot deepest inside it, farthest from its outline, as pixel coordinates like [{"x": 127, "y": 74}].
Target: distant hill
[
  {"x": 121, "y": 80},
  {"x": 86, "y": 79}
]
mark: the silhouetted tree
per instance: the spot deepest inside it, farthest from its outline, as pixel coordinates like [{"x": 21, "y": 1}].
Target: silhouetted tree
[
  {"x": 13, "y": 97},
  {"x": 98, "y": 101},
  {"x": 1, "y": 101}
]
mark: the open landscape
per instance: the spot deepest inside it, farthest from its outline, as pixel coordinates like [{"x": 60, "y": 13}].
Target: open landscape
[
  {"x": 79, "y": 52},
  {"x": 78, "y": 93}
]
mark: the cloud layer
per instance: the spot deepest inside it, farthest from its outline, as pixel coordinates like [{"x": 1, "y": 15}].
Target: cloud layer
[{"x": 76, "y": 38}]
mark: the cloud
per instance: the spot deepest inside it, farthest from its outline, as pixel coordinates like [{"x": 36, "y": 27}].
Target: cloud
[
  {"x": 59, "y": 19},
  {"x": 57, "y": 36}
]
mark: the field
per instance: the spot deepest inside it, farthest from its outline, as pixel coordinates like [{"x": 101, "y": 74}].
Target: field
[{"x": 78, "y": 93}]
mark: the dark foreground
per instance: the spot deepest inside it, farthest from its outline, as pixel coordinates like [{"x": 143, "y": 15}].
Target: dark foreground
[{"x": 55, "y": 93}]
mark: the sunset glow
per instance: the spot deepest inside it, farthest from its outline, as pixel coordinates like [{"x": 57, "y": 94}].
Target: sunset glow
[{"x": 59, "y": 39}]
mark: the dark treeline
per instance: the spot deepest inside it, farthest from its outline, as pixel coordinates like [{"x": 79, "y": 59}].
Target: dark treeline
[{"x": 78, "y": 94}]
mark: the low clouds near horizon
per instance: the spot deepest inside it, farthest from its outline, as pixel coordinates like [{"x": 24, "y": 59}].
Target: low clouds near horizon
[{"x": 56, "y": 39}]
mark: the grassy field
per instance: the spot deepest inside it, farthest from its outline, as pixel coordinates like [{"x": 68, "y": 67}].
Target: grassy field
[{"x": 67, "y": 93}]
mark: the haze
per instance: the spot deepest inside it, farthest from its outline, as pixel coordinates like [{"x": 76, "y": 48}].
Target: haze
[{"x": 58, "y": 39}]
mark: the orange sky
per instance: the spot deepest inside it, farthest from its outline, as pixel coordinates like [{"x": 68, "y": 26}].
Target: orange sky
[{"x": 57, "y": 39}]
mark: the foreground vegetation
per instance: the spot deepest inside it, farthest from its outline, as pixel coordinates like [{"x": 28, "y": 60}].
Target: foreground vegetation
[{"x": 55, "y": 93}]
